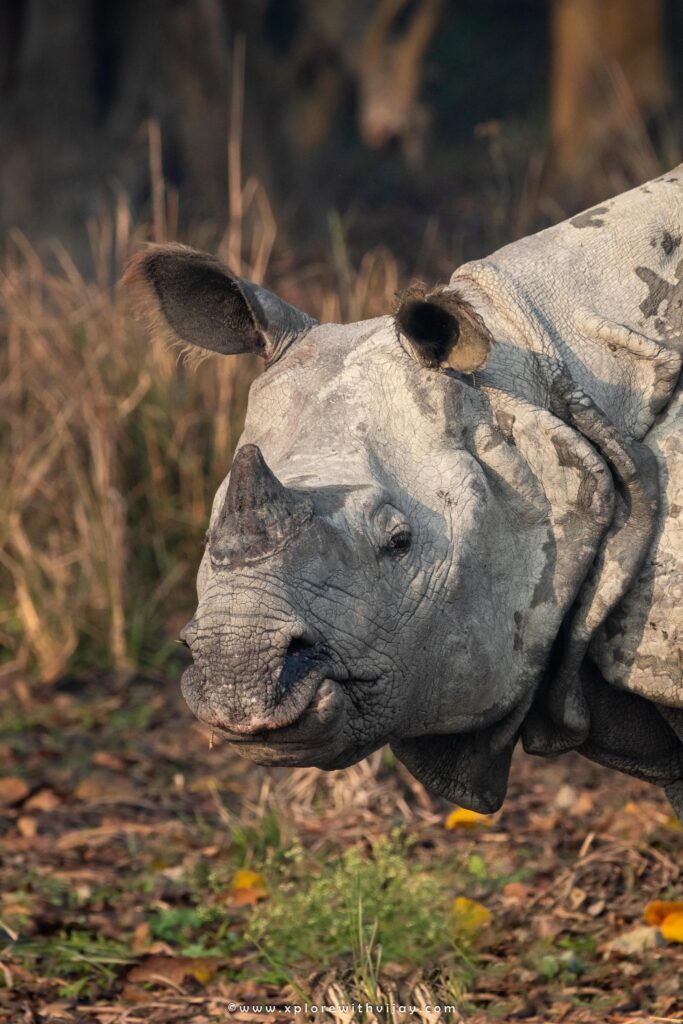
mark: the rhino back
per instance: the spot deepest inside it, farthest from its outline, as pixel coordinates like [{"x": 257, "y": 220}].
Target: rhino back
[{"x": 601, "y": 296}]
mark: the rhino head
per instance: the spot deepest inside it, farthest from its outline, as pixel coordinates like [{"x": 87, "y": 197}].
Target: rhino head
[{"x": 391, "y": 557}]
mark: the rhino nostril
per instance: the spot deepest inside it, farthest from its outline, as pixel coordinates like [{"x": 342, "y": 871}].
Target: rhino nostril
[{"x": 300, "y": 658}]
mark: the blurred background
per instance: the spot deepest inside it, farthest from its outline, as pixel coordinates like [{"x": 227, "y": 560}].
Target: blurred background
[{"x": 334, "y": 150}]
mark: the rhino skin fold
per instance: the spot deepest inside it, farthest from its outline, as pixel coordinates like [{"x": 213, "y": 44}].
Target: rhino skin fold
[{"x": 458, "y": 525}]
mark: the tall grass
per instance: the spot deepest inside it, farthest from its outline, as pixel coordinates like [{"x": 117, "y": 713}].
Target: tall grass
[{"x": 113, "y": 449}]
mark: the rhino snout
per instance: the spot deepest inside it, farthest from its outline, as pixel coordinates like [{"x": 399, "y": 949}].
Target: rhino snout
[{"x": 257, "y": 690}]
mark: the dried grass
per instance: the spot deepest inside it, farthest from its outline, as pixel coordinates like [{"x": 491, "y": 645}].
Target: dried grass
[
  {"x": 112, "y": 452},
  {"x": 113, "y": 448}
]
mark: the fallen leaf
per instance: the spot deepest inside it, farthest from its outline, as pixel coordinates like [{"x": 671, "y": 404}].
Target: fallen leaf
[
  {"x": 12, "y": 790},
  {"x": 43, "y": 800},
  {"x": 658, "y": 910},
  {"x": 173, "y": 971},
  {"x": 461, "y": 817},
  {"x": 546, "y": 926},
  {"x": 469, "y": 915},
  {"x": 634, "y": 942},
  {"x": 106, "y": 789},
  {"x": 247, "y": 897},
  {"x": 672, "y": 927},
  {"x": 577, "y": 897},
  {"x": 27, "y": 826},
  {"x": 517, "y": 892},
  {"x": 246, "y": 879},
  {"x": 583, "y": 805},
  {"x": 141, "y": 938},
  {"x": 57, "y": 1011},
  {"x": 205, "y": 784},
  {"x": 16, "y": 910},
  {"x": 102, "y": 834},
  {"x": 247, "y": 887},
  {"x": 105, "y": 759},
  {"x": 565, "y": 797}
]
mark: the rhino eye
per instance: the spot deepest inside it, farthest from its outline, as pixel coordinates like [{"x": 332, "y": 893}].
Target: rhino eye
[{"x": 399, "y": 541}]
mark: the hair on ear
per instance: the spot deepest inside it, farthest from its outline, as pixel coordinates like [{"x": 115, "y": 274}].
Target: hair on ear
[
  {"x": 443, "y": 329},
  {"x": 190, "y": 298},
  {"x": 429, "y": 325}
]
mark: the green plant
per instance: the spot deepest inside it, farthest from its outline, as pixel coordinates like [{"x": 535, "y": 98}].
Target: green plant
[{"x": 379, "y": 907}]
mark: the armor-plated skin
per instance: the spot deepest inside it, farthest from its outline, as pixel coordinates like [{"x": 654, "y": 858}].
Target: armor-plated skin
[{"x": 459, "y": 525}]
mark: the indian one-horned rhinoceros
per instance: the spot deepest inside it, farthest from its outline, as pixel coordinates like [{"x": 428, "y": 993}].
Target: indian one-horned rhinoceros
[{"x": 457, "y": 525}]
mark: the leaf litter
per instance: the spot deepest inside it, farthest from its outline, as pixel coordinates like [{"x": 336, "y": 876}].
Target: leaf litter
[{"x": 145, "y": 877}]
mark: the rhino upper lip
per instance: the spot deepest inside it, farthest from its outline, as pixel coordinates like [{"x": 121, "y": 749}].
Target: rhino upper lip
[{"x": 287, "y": 713}]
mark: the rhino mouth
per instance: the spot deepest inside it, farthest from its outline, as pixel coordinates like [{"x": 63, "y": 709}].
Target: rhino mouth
[
  {"x": 304, "y": 729},
  {"x": 311, "y": 726}
]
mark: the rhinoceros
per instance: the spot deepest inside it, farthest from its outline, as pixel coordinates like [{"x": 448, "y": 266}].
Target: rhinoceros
[{"x": 457, "y": 525}]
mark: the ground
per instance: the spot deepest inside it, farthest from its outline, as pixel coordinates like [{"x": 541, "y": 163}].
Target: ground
[{"x": 148, "y": 877}]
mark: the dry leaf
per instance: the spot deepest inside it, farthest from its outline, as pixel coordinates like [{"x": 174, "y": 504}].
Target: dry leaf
[
  {"x": 461, "y": 817},
  {"x": 246, "y": 879},
  {"x": 173, "y": 971},
  {"x": 106, "y": 789},
  {"x": 658, "y": 910},
  {"x": 102, "y": 834},
  {"x": 43, "y": 800},
  {"x": 583, "y": 805},
  {"x": 57, "y": 1011},
  {"x": 634, "y": 942},
  {"x": 206, "y": 784},
  {"x": 577, "y": 897},
  {"x": 27, "y": 826},
  {"x": 16, "y": 910},
  {"x": 247, "y": 887},
  {"x": 546, "y": 926},
  {"x": 12, "y": 790},
  {"x": 565, "y": 797},
  {"x": 517, "y": 892},
  {"x": 672, "y": 927},
  {"x": 105, "y": 759},
  {"x": 469, "y": 915},
  {"x": 141, "y": 938}
]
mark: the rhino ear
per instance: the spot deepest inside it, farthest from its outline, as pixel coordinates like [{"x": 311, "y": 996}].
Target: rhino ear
[
  {"x": 192, "y": 298},
  {"x": 443, "y": 329}
]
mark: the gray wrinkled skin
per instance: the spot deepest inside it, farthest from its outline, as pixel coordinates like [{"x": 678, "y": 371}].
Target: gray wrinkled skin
[{"x": 448, "y": 561}]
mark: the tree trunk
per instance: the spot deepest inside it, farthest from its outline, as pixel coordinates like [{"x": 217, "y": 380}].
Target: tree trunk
[{"x": 608, "y": 85}]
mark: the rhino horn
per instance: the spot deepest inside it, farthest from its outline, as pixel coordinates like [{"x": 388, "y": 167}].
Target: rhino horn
[{"x": 259, "y": 515}]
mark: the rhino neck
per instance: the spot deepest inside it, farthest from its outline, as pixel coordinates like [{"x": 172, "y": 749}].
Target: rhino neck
[{"x": 596, "y": 298}]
